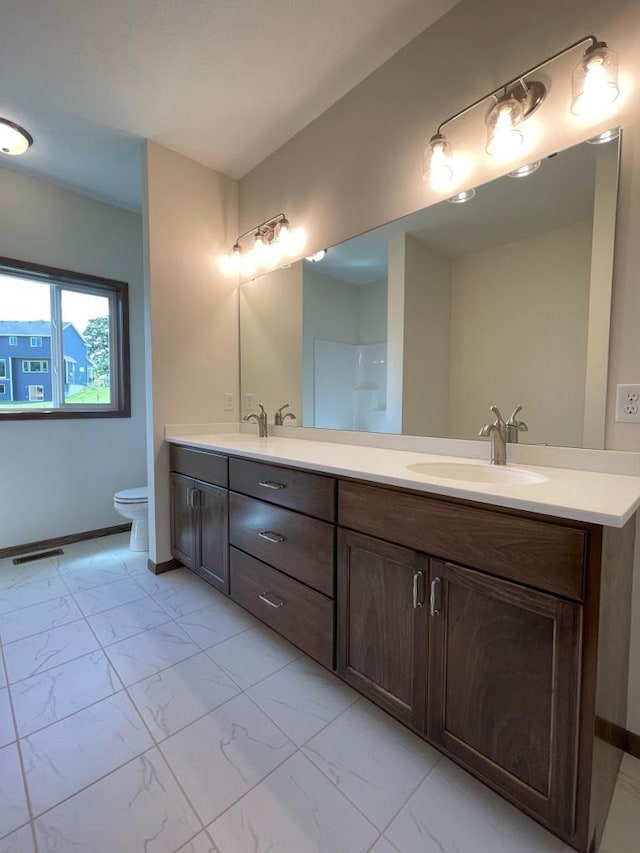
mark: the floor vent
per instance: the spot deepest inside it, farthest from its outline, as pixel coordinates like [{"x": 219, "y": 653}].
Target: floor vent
[{"x": 41, "y": 555}]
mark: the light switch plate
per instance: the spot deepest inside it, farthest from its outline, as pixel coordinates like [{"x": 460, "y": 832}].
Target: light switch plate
[
  {"x": 628, "y": 404},
  {"x": 229, "y": 401},
  {"x": 248, "y": 402}
]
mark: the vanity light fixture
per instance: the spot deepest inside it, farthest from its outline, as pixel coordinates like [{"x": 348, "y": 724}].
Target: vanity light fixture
[
  {"x": 524, "y": 171},
  {"x": 274, "y": 240},
  {"x": 316, "y": 256},
  {"x": 605, "y": 136},
  {"x": 14, "y": 140},
  {"x": 594, "y": 86},
  {"x": 462, "y": 197}
]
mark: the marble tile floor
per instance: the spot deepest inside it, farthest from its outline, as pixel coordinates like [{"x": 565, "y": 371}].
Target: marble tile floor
[{"x": 143, "y": 713}]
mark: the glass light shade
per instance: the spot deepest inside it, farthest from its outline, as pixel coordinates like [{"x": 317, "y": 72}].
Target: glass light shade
[
  {"x": 504, "y": 127},
  {"x": 271, "y": 253},
  {"x": 437, "y": 167},
  {"x": 317, "y": 256},
  {"x": 524, "y": 171},
  {"x": 234, "y": 260},
  {"x": 462, "y": 197},
  {"x": 594, "y": 83},
  {"x": 258, "y": 246},
  {"x": 14, "y": 140},
  {"x": 296, "y": 241},
  {"x": 249, "y": 264}
]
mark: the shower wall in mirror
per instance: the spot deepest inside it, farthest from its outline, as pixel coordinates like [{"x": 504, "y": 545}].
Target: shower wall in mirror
[{"x": 419, "y": 326}]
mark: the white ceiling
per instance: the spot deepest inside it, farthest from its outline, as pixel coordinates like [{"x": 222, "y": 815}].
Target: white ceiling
[{"x": 225, "y": 82}]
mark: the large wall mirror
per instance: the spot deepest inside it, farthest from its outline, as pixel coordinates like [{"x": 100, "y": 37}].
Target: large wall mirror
[{"x": 418, "y": 326}]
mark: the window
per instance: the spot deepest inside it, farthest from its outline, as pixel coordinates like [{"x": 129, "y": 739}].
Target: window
[
  {"x": 80, "y": 324},
  {"x": 36, "y": 393},
  {"x": 35, "y": 366},
  {"x": 13, "y": 341},
  {"x": 3, "y": 388}
]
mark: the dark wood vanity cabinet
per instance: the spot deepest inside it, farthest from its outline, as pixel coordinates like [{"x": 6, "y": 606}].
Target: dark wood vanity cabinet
[
  {"x": 382, "y": 632},
  {"x": 499, "y": 636},
  {"x": 282, "y": 534},
  {"x": 199, "y": 514},
  {"x": 504, "y": 686}
]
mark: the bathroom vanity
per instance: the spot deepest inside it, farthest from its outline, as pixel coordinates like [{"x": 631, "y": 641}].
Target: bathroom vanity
[{"x": 493, "y": 620}]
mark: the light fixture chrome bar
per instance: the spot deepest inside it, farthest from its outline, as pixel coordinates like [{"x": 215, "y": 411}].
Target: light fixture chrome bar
[
  {"x": 268, "y": 223},
  {"x": 518, "y": 79}
]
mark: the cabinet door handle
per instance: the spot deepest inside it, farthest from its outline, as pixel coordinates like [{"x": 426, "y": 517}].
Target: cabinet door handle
[
  {"x": 417, "y": 580},
  {"x": 190, "y": 498},
  {"x": 270, "y": 484},
  {"x": 434, "y": 598},
  {"x": 270, "y": 536},
  {"x": 270, "y": 599}
]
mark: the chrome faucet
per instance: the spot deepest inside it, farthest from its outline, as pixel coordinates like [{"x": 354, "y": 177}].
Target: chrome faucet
[
  {"x": 279, "y": 418},
  {"x": 497, "y": 431},
  {"x": 261, "y": 420},
  {"x": 514, "y": 426}
]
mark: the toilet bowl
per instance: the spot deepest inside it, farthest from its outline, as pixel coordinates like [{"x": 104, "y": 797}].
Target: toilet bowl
[{"x": 133, "y": 504}]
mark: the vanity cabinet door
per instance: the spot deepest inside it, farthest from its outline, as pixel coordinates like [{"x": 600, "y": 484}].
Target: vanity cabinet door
[
  {"x": 212, "y": 534},
  {"x": 183, "y": 531},
  {"x": 382, "y": 623},
  {"x": 503, "y": 691}
]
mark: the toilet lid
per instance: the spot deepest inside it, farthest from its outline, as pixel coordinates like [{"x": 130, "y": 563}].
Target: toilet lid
[{"x": 137, "y": 495}]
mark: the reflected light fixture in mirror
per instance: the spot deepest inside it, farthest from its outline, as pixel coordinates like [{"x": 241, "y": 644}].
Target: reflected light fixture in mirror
[
  {"x": 524, "y": 171},
  {"x": 316, "y": 256},
  {"x": 594, "y": 87},
  {"x": 462, "y": 197},
  {"x": 14, "y": 140},
  {"x": 605, "y": 136}
]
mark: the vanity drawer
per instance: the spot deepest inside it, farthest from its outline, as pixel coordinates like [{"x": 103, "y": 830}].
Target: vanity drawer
[
  {"x": 199, "y": 464},
  {"x": 312, "y": 494},
  {"x": 551, "y": 557},
  {"x": 300, "y": 546},
  {"x": 299, "y": 614}
]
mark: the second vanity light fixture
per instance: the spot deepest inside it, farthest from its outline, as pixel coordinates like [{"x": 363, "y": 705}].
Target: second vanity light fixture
[
  {"x": 594, "y": 86},
  {"x": 275, "y": 242}
]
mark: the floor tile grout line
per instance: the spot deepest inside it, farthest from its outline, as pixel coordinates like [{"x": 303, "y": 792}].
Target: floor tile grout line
[
  {"x": 21, "y": 763},
  {"x": 413, "y": 792}
]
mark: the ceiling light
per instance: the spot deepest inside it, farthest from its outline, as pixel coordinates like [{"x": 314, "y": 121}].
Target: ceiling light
[
  {"x": 605, "y": 136},
  {"x": 317, "y": 256},
  {"x": 14, "y": 139},
  {"x": 273, "y": 240},
  {"x": 462, "y": 197},
  {"x": 524, "y": 171},
  {"x": 438, "y": 168},
  {"x": 594, "y": 84}
]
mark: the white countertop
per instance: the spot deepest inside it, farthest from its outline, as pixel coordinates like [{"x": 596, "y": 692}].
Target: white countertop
[{"x": 608, "y": 499}]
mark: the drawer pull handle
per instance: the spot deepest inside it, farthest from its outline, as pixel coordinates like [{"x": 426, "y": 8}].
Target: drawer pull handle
[
  {"x": 271, "y": 600},
  {"x": 417, "y": 581},
  {"x": 269, "y": 484},
  {"x": 434, "y": 598},
  {"x": 270, "y": 536}
]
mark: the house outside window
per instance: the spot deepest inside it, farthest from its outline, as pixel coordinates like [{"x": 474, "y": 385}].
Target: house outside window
[
  {"x": 80, "y": 325},
  {"x": 39, "y": 365}
]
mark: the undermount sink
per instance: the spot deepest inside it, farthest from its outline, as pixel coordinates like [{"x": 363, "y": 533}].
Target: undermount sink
[{"x": 476, "y": 473}]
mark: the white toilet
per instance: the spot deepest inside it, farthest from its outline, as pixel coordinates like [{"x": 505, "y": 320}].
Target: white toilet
[{"x": 133, "y": 504}]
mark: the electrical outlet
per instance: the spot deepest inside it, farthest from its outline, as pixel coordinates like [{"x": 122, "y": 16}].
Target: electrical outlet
[
  {"x": 628, "y": 404},
  {"x": 248, "y": 402},
  {"x": 229, "y": 401}
]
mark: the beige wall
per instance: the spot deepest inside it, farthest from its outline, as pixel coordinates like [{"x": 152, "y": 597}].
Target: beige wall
[
  {"x": 359, "y": 164},
  {"x": 271, "y": 341},
  {"x": 59, "y": 477},
  {"x": 519, "y": 335},
  {"x": 190, "y": 218},
  {"x": 427, "y": 318}
]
